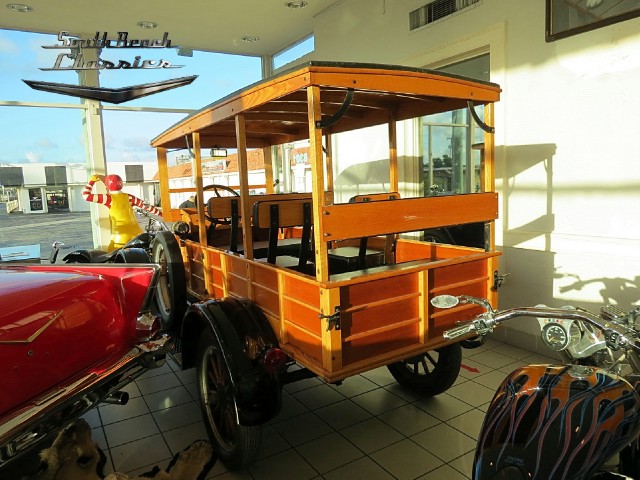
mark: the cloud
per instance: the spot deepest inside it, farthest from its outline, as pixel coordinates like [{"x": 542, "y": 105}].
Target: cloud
[
  {"x": 32, "y": 157},
  {"x": 7, "y": 46},
  {"x": 46, "y": 143}
]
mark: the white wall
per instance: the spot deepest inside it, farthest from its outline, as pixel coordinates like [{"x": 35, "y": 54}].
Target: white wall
[{"x": 567, "y": 156}]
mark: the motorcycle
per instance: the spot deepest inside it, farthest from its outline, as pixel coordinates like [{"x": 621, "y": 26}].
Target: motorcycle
[
  {"x": 576, "y": 420},
  {"x": 157, "y": 244}
]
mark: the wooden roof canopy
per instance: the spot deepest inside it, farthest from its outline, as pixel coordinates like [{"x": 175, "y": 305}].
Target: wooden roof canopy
[{"x": 275, "y": 109}]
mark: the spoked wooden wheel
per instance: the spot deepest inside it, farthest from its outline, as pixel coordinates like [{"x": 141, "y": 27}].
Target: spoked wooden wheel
[
  {"x": 429, "y": 373},
  {"x": 234, "y": 444}
]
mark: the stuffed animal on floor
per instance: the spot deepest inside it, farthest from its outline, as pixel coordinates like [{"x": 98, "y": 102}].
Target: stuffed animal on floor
[{"x": 75, "y": 456}]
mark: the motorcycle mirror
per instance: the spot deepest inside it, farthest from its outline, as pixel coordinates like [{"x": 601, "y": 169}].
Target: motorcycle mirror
[{"x": 445, "y": 301}]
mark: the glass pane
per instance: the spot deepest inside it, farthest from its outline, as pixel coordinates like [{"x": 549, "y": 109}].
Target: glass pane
[
  {"x": 446, "y": 153},
  {"x": 22, "y": 57},
  {"x": 451, "y": 141},
  {"x": 38, "y": 135},
  {"x": 294, "y": 52},
  {"x": 218, "y": 75},
  {"x": 129, "y": 133}
]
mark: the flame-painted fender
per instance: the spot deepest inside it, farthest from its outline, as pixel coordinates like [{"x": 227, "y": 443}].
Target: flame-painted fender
[{"x": 560, "y": 422}]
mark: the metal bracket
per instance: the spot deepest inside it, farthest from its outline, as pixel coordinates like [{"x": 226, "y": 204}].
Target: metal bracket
[
  {"x": 498, "y": 279},
  {"x": 333, "y": 320},
  {"x": 477, "y": 119},
  {"x": 327, "y": 122}
]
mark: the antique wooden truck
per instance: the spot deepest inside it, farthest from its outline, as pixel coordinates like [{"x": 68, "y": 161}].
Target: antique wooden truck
[{"x": 263, "y": 289}]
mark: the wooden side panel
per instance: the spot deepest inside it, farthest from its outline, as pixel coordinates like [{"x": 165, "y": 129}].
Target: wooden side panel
[
  {"x": 237, "y": 277},
  {"x": 379, "y": 317},
  {"x": 300, "y": 314},
  {"x": 471, "y": 278},
  {"x": 354, "y": 220},
  {"x": 196, "y": 269},
  {"x": 216, "y": 275},
  {"x": 266, "y": 296}
]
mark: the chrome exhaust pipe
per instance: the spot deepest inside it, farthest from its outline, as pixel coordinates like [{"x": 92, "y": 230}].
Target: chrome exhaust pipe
[{"x": 117, "y": 398}]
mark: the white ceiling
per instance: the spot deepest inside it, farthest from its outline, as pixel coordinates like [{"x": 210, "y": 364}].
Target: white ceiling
[{"x": 210, "y": 25}]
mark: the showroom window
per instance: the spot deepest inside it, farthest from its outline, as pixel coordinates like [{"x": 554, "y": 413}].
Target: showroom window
[
  {"x": 55, "y": 132},
  {"x": 451, "y": 141},
  {"x": 294, "y": 52}
]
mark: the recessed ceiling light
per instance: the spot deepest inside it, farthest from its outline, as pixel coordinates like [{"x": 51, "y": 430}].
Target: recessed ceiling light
[
  {"x": 296, "y": 4},
  {"x": 250, "y": 38},
  {"x": 148, "y": 25},
  {"x": 19, "y": 7}
]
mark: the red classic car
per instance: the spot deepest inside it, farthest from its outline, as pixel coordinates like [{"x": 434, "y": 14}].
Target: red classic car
[{"x": 71, "y": 336}]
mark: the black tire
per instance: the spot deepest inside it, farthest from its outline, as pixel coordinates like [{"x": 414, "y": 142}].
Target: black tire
[
  {"x": 235, "y": 445},
  {"x": 429, "y": 373},
  {"x": 132, "y": 255},
  {"x": 171, "y": 292}
]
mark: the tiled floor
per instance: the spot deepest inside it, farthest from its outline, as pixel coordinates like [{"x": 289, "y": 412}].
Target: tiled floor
[{"x": 368, "y": 427}]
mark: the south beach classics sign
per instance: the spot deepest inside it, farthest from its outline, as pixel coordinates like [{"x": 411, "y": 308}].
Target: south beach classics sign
[{"x": 74, "y": 59}]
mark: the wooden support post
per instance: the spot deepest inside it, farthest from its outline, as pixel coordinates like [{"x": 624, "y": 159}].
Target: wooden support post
[
  {"x": 489, "y": 182},
  {"x": 245, "y": 212},
  {"x": 317, "y": 179},
  {"x": 331, "y": 339},
  {"x": 163, "y": 175},
  {"x": 424, "y": 308},
  {"x": 268, "y": 169},
  {"x": 202, "y": 226},
  {"x": 393, "y": 155},
  {"x": 329, "y": 197}
]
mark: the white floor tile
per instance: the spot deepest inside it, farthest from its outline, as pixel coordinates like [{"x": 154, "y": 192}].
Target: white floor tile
[
  {"x": 318, "y": 396},
  {"x": 372, "y": 435},
  {"x": 178, "y": 416},
  {"x": 158, "y": 383},
  {"x": 343, "y": 414},
  {"x": 302, "y": 429},
  {"x": 406, "y": 460},
  {"x": 367, "y": 427},
  {"x": 130, "y": 430},
  {"x": 329, "y": 452},
  {"x": 115, "y": 413},
  {"x": 141, "y": 453},
  {"x": 290, "y": 465},
  {"x": 445, "y": 442},
  {"x": 379, "y": 401},
  {"x": 364, "y": 468},
  {"x": 443, "y": 406},
  {"x": 409, "y": 419}
]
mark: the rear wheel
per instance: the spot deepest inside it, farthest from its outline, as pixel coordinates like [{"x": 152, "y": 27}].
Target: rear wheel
[
  {"x": 429, "y": 373},
  {"x": 171, "y": 296},
  {"x": 234, "y": 444}
]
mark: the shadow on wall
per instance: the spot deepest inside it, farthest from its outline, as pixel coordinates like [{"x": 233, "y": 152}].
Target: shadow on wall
[
  {"x": 528, "y": 197},
  {"x": 620, "y": 291}
]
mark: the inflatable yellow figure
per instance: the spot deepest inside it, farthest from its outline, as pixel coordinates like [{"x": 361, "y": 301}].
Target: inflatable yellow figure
[{"x": 124, "y": 225}]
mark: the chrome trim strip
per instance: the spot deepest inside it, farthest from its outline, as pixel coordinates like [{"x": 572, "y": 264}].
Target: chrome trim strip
[{"x": 19, "y": 430}]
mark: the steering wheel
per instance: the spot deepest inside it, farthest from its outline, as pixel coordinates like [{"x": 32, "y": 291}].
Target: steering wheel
[{"x": 220, "y": 191}]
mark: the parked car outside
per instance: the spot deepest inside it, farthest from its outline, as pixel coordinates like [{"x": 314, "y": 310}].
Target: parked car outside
[{"x": 71, "y": 337}]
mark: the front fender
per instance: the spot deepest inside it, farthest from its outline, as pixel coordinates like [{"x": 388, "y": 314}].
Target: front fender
[{"x": 257, "y": 392}]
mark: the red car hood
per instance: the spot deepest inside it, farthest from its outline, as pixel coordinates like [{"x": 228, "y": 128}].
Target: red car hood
[{"x": 57, "y": 321}]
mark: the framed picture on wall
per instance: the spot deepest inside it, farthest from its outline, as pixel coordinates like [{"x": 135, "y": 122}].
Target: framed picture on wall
[{"x": 570, "y": 17}]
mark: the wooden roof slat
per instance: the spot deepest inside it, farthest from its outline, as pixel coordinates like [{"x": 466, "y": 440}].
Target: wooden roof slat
[{"x": 379, "y": 91}]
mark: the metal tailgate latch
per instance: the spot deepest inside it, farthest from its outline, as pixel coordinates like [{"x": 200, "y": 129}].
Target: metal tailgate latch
[{"x": 333, "y": 320}]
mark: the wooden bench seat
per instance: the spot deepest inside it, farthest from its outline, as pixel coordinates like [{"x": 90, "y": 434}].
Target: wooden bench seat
[
  {"x": 228, "y": 210},
  {"x": 274, "y": 215}
]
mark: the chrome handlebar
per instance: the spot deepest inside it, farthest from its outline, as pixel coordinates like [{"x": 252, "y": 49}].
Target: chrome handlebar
[{"x": 616, "y": 334}]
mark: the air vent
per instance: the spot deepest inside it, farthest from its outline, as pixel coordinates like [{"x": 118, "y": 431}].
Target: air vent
[{"x": 437, "y": 10}]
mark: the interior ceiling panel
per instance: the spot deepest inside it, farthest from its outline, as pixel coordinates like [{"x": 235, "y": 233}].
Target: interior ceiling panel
[{"x": 209, "y": 25}]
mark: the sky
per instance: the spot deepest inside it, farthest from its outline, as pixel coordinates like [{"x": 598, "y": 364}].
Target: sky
[{"x": 54, "y": 135}]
